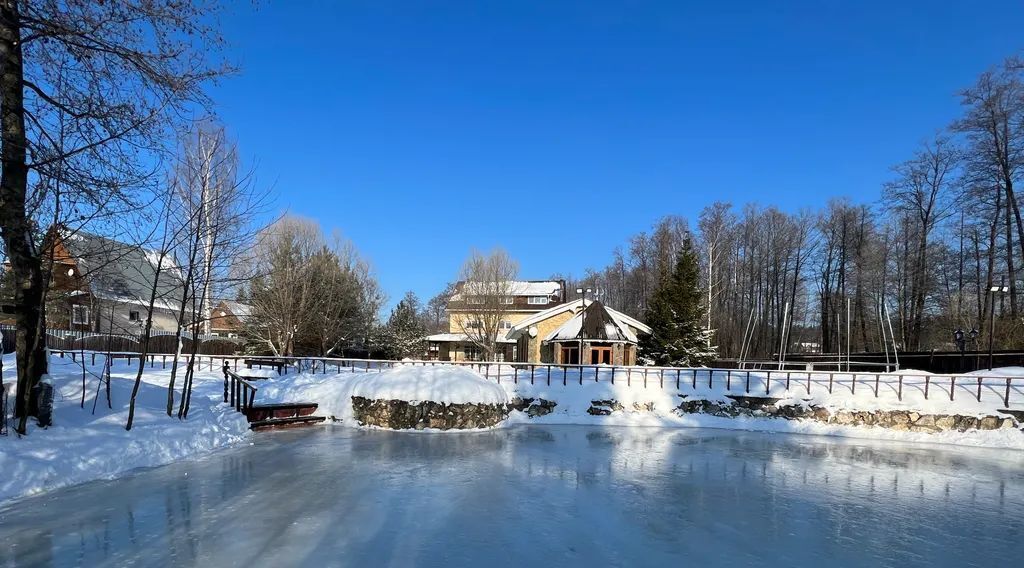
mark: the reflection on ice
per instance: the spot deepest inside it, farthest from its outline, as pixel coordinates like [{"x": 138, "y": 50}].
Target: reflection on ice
[{"x": 541, "y": 495}]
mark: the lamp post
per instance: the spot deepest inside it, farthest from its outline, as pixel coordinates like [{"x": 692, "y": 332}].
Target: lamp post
[
  {"x": 583, "y": 320},
  {"x": 1002, "y": 288}
]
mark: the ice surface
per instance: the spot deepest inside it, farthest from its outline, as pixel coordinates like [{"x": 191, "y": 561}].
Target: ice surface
[{"x": 539, "y": 496}]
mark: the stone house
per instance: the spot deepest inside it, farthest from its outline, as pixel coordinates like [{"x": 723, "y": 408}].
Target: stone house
[{"x": 556, "y": 335}]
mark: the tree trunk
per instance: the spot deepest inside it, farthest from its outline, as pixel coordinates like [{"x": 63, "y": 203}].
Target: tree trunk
[{"x": 25, "y": 260}]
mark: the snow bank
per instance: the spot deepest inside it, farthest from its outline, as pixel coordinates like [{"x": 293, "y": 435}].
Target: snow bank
[
  {"x": 444, "y": 384},
  {"x": 334, "y": 392},
  {"x": 82, "y": 446}
]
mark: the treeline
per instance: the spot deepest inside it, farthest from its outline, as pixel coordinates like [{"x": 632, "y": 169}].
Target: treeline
[{"x": 940, "y": 250}]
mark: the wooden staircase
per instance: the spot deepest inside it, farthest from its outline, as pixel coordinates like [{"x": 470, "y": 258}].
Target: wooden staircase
[
  {"x": 240, "y": 394},
  {"x": 282, "y": 415}
]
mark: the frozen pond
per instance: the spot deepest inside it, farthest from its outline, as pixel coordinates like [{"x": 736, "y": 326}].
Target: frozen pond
[{"x": 539, "y": 496}]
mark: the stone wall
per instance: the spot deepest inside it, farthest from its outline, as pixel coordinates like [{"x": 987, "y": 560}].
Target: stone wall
[
  {"x": 901, "y": 420},
  {"x": 403, "y": 415}
]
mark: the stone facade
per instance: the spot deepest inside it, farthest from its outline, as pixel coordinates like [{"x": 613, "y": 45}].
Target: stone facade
[{"x": 403, "y": 415}]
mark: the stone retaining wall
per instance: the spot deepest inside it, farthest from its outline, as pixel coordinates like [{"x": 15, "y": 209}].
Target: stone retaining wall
[
  {"x": 403, "y": 415},
  {"x": 902, "y": 420}
]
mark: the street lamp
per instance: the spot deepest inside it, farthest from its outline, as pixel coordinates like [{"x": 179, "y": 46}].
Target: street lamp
[
  {"x": 1002, "y": 288},
  {"x": 583, "y": 320}
]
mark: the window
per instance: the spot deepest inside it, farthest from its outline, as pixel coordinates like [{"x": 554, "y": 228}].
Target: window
[
  {"x": 505, "y": 325},
  {"x": 474, "y": 324},
  {"x": 538, "y": 300},
  {"x": 506, "y": 299},
  {"x": 134, "y": 316},
  {"x": 80, "y": 315},
  {"x": 474, "y": 300}
]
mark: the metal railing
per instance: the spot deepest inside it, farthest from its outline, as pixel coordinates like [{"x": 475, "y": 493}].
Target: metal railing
[
  {"x": 238, "y": 392},
  {"x": 762, "y": 383}
]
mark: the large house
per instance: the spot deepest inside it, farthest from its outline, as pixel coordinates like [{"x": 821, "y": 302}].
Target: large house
[
  {"x": 539, "y": 326},
  {"x": 102, "y": 285},
  {"x": 520, "y": 300}
]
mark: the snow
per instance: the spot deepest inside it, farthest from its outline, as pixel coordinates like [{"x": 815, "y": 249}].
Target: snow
[
  {"x": 413, "y": 383},
  {"x": 512, "y": 287},
  {"x": 82, "y": 446}
]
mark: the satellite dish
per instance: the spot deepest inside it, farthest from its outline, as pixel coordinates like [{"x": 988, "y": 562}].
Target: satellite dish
[{"x": 533, "y": 331}]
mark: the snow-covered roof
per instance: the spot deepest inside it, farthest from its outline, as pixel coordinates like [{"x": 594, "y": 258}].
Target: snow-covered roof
[
  {"x": 574, "y": 307},
  {"x": 238, "y": 309},
  {"x": 510, "y": 287},
  {"x": 121, "y": 272},
  {"x": 602, "y": 324},
  {"x": 460, "y": 338}
]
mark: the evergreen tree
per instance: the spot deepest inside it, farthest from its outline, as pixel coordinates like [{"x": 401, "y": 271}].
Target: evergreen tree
[
  {"x": 675, "y": 315},
  {"x": 402, "y": 336}
]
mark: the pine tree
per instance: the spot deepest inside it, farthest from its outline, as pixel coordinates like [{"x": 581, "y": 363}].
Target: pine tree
[
  {"x": 402, "y": 336},
  {"x": 675, "y": 315}
]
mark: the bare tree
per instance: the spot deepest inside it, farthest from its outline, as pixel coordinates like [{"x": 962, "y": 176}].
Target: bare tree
[
  {"x": 923, "y": 192},
  {"x": 486, "y": 291},
  {"x": 129, "y": 70}
]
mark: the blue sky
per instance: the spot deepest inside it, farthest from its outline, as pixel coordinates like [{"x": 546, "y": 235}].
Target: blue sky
[{"x": 558, "y": 129}]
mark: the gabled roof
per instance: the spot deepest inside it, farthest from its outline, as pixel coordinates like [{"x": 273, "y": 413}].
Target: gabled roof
[
  {"x": 122, "y": 272},
  {"x": 238, "y": 309},
  {"x": 574, "y": 307},
  {"x": 595, "y": 322}
]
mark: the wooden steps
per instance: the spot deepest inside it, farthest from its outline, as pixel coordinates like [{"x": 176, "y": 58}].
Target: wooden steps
[
  {"x": 282, "y": 415},
  {"x": 280, "y": 423}
]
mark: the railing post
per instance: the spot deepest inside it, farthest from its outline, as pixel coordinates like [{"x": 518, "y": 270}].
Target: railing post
[
  {"x": 767, "y": 383},
  {"x": 728, "y": 379},
  {"x": 225, "y": 381},
  {"x": 830, "y": 377},
  {"x": 1006, "y": 397},
  {"x": 952, "y": 387},
  {"x": 979, "y": 389},
  {"x": 878, "y": 379},
  {"x": 927, "y": 381},
  {"x": 899, "y": 393},
  {"x": 747, "y": 386}
]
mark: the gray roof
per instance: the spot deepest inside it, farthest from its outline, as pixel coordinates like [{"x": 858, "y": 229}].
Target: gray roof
[{"x": 123, "y": 272}]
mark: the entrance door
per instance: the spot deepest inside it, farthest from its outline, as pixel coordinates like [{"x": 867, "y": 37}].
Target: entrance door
[
  {"x": 600, "y": 355},
  {"x": 570, "y": 355}
]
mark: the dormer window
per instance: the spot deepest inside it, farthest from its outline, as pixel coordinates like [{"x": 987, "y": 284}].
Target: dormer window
[
  {"x": 538, "y": 300},
  {"x": 474, "y": 300}
]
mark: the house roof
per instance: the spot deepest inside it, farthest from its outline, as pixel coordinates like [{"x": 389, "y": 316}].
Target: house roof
[
  {"x": 237, "y": 309},
  {"x": 125, "y": 273},
  {"x": 574, "y": 307},
  {"x": 595, "y": 322},
  {"x": 459, "y": 338},
  {"x": 511, "y": 287}
]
